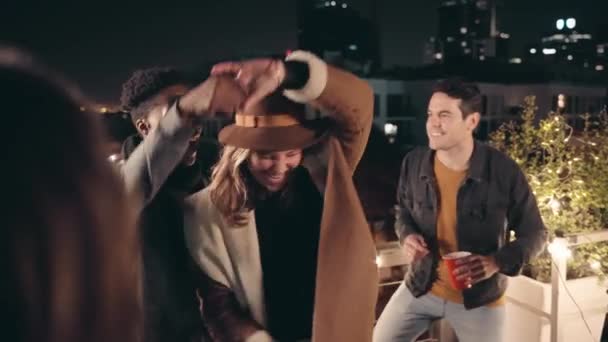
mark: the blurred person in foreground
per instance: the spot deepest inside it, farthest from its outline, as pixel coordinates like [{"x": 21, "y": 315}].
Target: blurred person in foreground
[{"x": 69, "y": 250}]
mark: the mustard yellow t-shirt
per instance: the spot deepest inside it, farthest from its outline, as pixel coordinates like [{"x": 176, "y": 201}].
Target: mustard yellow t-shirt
[{"x": 448, "y": 183}]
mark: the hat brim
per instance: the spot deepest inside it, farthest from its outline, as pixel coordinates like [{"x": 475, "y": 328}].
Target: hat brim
[{"x": 271, "y": 138}]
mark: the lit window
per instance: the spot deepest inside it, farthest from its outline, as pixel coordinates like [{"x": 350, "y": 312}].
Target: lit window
[
  {"x": 570, "y": 57},
  {"x": 482, "y": 58},
  {"x": 515, "y": 60},
  {"x": 600, "y": 49},
  {"x": 464, "y": 44},
  {"x": 390, "y": 129},
  {"x": 353, "y": 47},
  {"x": 561, "y": 101},
  {"x": 450, "y": 39},
  {"x": 463, "y": 30},
  {"x": 549, "y": 51},
  {"x": 344, "y": 5},
  {"x": 559, "y": 24},
  {"x": 571, "y": 23},
  {"x": 438, "y": 55},
  {"x": 599, "y": 67},
  {"x": 533, "y": 51}
]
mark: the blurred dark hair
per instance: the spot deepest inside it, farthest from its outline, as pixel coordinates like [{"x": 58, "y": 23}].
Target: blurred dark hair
[
  {"x": 69, "y": 250},
  {"x": 467, "y": 92},
  {"x": 144, "y": 84}
]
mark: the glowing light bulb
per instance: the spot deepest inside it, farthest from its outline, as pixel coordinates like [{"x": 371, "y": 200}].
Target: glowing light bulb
[
  {"x": 555, "y": 205},
  {"x": 559, "y": 249}
]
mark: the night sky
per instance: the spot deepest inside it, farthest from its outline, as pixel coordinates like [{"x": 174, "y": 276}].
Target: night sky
[{"x": 99, "y": 43}]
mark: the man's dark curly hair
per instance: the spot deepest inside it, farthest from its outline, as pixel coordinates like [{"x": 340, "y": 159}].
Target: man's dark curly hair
[
  {"x": 467, "y": 92},
  {"x": 144, "y": 84}
]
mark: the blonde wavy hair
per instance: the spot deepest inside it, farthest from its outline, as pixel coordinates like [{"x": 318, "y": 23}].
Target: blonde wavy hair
[{"x": 229, "y": 186}]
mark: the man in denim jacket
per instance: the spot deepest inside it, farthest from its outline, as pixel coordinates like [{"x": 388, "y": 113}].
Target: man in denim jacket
[{"x": 459, "y": 194}]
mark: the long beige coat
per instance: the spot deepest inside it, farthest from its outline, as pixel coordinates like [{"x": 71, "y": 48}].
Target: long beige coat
[{"x": 346, "y": 284}]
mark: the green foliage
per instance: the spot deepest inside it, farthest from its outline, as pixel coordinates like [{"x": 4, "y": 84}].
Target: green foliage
[{"x": 568, "y": 172}]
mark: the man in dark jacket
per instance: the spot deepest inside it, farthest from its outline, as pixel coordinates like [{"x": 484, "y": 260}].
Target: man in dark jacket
[
  {"x": 170, "y": 276},
  {"x": 459, "y": 195}
]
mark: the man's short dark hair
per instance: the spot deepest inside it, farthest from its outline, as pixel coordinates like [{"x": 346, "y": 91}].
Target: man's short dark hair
[
  {"x": 144, "y": 84},
  {"x": 467, "y": 92}
]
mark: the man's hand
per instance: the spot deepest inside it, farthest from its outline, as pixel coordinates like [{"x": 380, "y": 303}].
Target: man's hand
[
  {"x": 475, "y": 268},
  {"x": 415, "y": 248},
  {"x": 219, "y": 94},
  {"x": 258, "y": 77}
]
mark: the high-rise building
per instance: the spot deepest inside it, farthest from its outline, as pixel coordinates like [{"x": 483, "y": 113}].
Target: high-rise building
[
  {"x": 467, "y": 31},
  {"x": 470, "y": 18},
  {"x": 338, "y": 33},
  {"x": 569, "y": 46}
]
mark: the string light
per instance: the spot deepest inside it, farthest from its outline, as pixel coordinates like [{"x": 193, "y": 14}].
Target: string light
[
  {"x": 555, "y": 205},
  {"x": 559, "y": 249},
  {"x": 378, "y": 260},
  {"x": 559, "y": 169}
]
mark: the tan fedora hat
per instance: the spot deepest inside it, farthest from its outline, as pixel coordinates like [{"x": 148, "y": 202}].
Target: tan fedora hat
[{"x": 274, "y": 124}]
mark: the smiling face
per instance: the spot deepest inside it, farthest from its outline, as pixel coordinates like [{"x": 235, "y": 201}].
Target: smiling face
[
  {"x": 272, "y": 169},
  {"x": 157, "y": 109},
  {"x": 447, "y": 126}
]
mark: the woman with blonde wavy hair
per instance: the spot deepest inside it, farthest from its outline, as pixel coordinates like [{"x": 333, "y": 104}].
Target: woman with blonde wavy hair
[
  {"x": 69, "y": 251},
  {"x": 280, "y": 231},
  {"x": 229, "y": 185}
]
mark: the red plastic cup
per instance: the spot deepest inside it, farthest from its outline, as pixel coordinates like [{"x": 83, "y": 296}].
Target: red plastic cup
[{"x": 450, "y": 262}]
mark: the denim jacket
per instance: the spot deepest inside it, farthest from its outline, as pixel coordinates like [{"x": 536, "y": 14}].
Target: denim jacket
[{"x": 493, "y": 200}]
